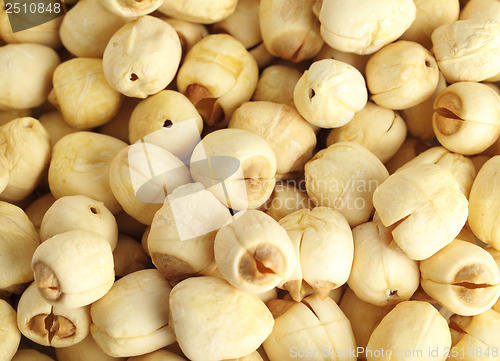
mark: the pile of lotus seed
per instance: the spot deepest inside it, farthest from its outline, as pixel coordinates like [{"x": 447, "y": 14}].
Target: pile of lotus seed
[{"x": 253, "y": 180}]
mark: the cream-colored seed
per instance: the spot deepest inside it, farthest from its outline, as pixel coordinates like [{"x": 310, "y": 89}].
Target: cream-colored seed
[
  {"x": 181, "y": 239},
  {"x": 26, "y": 146},
  {"x": 289, "y": 29},
  {"x": 9, "y": 333},
  {"x": 202, "y": 11},
  {"x": 478, "y": 333},
  {"x": 276, "y": 84},
  {"x": 312, "y": 324},
  {"x": 160, "y": 355},
  {"x": 254, "y": 356},
  {"x": 237, "y": 166},
  {"x": 86, "y": 350},
  {"x": 83, "y": 95},
  {"x": 382, "y": 274},
  {"x": 430, "y": 15},
  {"x": 167, "y": 119},
  {"x": 461, "y": 167},
  {"x": 129, "y": 257},
  {"x": 189, "y": 33},
  {"x": 344, "y": 177},
  {"x": 132, "y": 318},
  {"x": 382, "y": 131},
  {"x": 226, "y": 267},
  {"x": 462, "y": 277},
  {"x": 18, "y": 241},
  {"x": 209, "y": 323},
  {"x": 254, "y": 253},
  {"x": 118, "y": 127},
  {"x": 466, "y": 117},
  {"x": 44, "y": 34},
  {"x": 56, "y": 126},
  {"x": 79, "y": 212},
  {"x": 87, "y": 27},
  {"x": 73, "y": 269},
  {"x": 356, "y": 60},
  {"x": 401, "y": 75},
  {"x": 289, "y": 135},
  {"x": 324, "y": 249},
  {"x": 495, "y": 254},
  {"x": 262, "y": 56},
  {"x": 410, "y": 149},
  {"x": 4, "y": 172},
  {"x": 363, "y": 28},
  {"x": 217, "y": 75},
  {"x": 426, "y": 207},
  {"x": 411, "y": 325},
  {"x": 242, "y": 24},
  {"x": 468, "y": 50},
  {"x": 286, "y": 199},
  {"x": 131, "y": 8},
  {"x": 481, "y": 9},
  {"x": 329, "y": 93},
  {"x": 141, "y": 176},
  {"x": 25, "y": 75},
  {"x": 51, "y": 326},
  {"x": 36, "y": 210},
  {"x": 142, "y": 57},
  {"x": 418, "y": 118},
  {"x": 484, "y": 203},
  {"x": 80, "y": 165},
  {"x": 363, "y": 316},
  {"x": 30, "y": 355}
]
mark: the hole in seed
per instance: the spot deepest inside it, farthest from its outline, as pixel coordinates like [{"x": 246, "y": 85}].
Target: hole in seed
[
  {"x": 471, "y": 285},
  {"x": 447, "y": 113},
  {"x": 133, "y": 77},
  {"x": 262, "y": 268},
  {"x": 49, "y": 322},
  {"x": 37, "y": 324},
  {"x": 94, "y": 210},
  {"x": 428, "y": 63},
  {"x": 312, "y": 93},
  {"x": 167, "y": 123}
]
